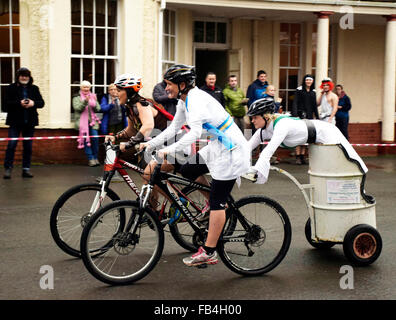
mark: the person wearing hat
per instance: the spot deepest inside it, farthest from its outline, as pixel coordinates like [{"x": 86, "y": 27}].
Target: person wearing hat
[
  {"x": 21, "y": 101},
  {"x": 328, "y": 101},
  {"x": 304, "y": 107}
]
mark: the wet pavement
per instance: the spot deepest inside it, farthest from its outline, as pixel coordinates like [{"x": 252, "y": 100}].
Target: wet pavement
[{"x": 26, "y": 246}]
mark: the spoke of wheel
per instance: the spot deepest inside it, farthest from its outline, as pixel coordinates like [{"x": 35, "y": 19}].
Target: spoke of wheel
[
  {"x": 112, "y": 264},
  {"x": 72, "y": 218},
  {"x": 69, "y": 234}
]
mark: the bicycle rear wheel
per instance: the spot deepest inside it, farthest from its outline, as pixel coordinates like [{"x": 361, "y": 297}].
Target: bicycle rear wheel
[
  {"x": 259, "y": 240},
  {"x": 71, "y": 213},
  {"x": 120, "y": 256}
]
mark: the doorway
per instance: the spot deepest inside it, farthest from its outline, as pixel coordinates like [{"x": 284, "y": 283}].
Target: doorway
[{"x": 211, "y": 61}]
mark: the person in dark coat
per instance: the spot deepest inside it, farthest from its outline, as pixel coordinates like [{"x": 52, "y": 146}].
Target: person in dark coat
[
  {"x": 160, "y": 96},
  {"x": 342, "y": 115},
  {"x": 304, "y": 107},
  {"x": 21, "y": 101},
  {"x": 211, "y": 88},
  {"x": 257, "y": 88},
  {"x": 304, "y": 104}
]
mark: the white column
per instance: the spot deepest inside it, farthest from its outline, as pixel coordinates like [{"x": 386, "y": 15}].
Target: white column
[
  {"x": 59, "y": 95},
  {"x": 388, "y": 118},
  {"x": 322, "y": 49},
  {"x": 45, "y": 38},
  {"x": 131, "y": 34}
]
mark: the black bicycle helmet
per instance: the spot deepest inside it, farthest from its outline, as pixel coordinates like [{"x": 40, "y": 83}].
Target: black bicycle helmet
[
  {"x": 181, "y": 73},
  {"x": 261, "y": 107}
]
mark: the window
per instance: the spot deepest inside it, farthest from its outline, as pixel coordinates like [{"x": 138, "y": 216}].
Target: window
[
  {"x": 289, "y": 62},
  {"x": 314, "y": 45},
  {"x": 210, "y": 32},
  {"x": 169, "y": 40},
  {"x": 94, "y": 57},
  {"x": 9, "y": 44}
]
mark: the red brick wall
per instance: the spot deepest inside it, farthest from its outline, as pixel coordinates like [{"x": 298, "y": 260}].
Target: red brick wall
[
  {"x": 369, "y": 133},
  {"x": 365, "y": 133},
  {"x": 49, "y": 151}
]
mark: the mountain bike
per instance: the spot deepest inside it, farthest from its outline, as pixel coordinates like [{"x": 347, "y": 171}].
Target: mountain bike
[
  {"x": 123, "y": 241},
  {"x": 75, "y": 206}
]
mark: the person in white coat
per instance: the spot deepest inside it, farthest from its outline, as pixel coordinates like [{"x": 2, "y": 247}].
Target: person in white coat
[
  {"x": 226, "y": 159},
  {"x": 288, "y": 132}
]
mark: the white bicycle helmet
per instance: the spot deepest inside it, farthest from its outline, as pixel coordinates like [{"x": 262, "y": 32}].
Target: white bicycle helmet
[
  {"x": 129, "y": 81},
  {"x": 261, "y": 107}
]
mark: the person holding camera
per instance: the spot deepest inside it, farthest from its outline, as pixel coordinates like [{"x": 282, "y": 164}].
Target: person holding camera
[
  {"x": 21, "y": 101},
  {"x": 304, "y": 107}
]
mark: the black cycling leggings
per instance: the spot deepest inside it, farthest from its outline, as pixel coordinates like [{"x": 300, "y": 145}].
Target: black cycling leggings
[
  {"x": 219, "y": 189},
  {"x": 194, "y": 167}
]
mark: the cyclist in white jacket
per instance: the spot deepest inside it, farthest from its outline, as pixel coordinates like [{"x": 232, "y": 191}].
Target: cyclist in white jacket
[
  {"x": 288, "y": 132},
  {"x": 226, "y": 157}
]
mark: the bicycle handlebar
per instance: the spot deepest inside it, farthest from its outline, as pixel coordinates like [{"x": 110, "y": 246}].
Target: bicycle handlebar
[{"x": 117, "y": 149}]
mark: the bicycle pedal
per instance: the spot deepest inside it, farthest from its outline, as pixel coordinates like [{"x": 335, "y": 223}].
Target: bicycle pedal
[{"x": 202, "y": 266}]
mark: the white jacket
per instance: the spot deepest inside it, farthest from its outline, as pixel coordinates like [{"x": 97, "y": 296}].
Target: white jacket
[
  {"x": 291, "y": 133},
  {"x": 200, "y": 108}
]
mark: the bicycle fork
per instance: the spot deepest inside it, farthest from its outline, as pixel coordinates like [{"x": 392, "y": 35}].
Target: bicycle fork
[{"x": 99, "y": 197}]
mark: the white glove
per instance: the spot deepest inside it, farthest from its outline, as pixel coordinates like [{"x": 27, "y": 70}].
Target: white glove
[{"x": 251, "y": 174}]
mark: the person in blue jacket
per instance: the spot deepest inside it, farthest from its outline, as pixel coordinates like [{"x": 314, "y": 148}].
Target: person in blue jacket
[
  {"x": 256, "y": 89},
  {"x": 114, "y": 116},
  {"x": 342, "y": 115}
]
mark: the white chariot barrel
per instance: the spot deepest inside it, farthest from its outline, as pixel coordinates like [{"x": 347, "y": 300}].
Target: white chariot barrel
[{"x": 338, "y": 198}]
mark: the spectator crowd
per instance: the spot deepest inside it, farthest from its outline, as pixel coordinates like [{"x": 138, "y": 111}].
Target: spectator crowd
[{"x": 22, "y": 100}]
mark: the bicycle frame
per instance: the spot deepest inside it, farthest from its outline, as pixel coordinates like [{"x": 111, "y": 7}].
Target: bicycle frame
[
  {"x": 119, "y": 165},
  {"x": 302, "y": 188},
  {"x": 110, "y": 168},
  {"x": 166, "y": 182}
]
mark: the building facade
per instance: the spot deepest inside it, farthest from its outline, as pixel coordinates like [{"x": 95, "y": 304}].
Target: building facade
[{"x": 66, "y": 41}]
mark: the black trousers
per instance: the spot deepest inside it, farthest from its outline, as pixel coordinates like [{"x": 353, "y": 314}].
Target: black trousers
[
  {"x": 15, "y": 132},
  {"x": 219, "y": 189},
  {"x": 342, "y": 125}
]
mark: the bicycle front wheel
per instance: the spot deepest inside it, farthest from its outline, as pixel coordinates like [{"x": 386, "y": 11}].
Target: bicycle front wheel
[
  {"x": 71, "y": 213},
  {"x": 120, "y": 256},
  {"x": 260, "y": 238}
]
